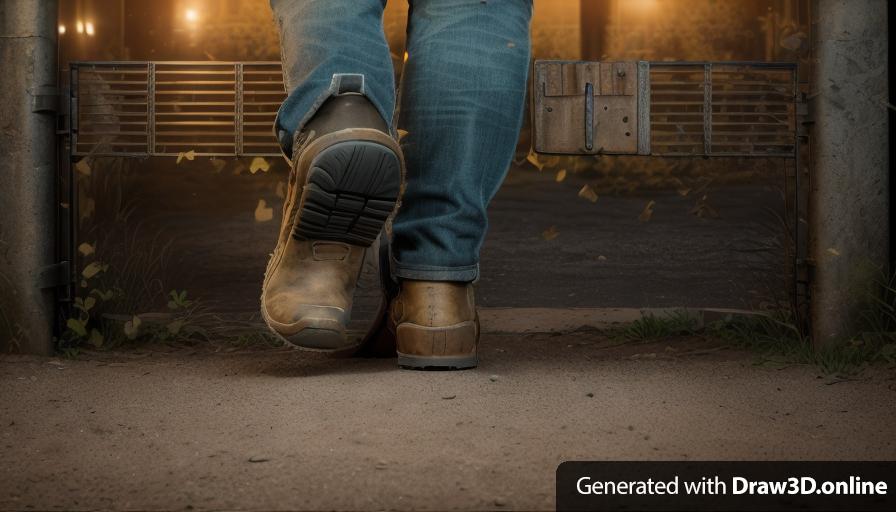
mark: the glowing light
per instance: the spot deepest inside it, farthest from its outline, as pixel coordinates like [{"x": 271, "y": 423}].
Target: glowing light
[
  {"x": 405, "y": 56},
  {"x": 80, "y": 27},
  {"x": 192, "y": 15},
  {"x": 88, "y": 27},
  {"x": 61, "y": 29},
  {"x": 641, "y": 5}
]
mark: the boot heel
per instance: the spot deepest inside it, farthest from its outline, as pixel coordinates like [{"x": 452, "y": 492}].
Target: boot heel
[
  {"x": 351, "y": 189},
  {"x": 451, "y": 347}
]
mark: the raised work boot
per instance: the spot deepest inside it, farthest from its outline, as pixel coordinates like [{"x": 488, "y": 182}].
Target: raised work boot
[
  {"x": 435, "y": 325},
  {"x": 345, "y": 182}
]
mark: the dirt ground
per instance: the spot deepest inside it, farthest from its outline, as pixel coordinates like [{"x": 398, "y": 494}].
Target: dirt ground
[{"x": 191, "y": 428}]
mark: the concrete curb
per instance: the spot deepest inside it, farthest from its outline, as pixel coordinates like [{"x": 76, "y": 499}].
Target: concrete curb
[{"x": 541, "y": 320}]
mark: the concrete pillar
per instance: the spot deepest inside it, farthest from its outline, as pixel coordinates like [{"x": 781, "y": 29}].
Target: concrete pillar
[
  {"x": 28, "y": 36},
  {"x": 849, "y": 197}
]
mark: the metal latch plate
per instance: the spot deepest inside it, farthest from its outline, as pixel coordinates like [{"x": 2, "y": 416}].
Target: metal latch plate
[{"x": 567, "y": 120}]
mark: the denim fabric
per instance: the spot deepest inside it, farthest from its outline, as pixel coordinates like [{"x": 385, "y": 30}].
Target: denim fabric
[
  {"x": 323, "y": 38},
  {"x": 461, "y": 103}
]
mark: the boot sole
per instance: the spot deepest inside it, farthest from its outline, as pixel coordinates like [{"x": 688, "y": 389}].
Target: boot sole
[
  {"x": 461, "y": 339},
  {"x": 350, "y": 190},
  {"x": 412, "y": 362}
]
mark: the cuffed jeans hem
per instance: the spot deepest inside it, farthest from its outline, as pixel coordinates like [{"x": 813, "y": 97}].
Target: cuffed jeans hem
[
  {"x": 465, "y": 274},
  {"x": 340, "y": 83}
]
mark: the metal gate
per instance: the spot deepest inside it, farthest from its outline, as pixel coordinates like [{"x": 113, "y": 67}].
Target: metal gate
[
  {"x": 165, "y": 108},
  {"x": 680, "y": 109}
]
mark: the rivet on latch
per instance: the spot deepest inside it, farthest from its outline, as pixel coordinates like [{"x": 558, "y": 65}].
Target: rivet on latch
[
  {"x": 620, "y": 73},
  {"x": 549, "y": 109}
]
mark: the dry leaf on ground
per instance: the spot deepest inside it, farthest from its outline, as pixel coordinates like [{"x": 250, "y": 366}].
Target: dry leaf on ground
[
  {"x": 587, "y": 192},
  {"x": 263, "y": 213},
  {"x": 259, "y": 164},
  {"x": 218, "y": 164},
  {"x": 647, "y": 213}
]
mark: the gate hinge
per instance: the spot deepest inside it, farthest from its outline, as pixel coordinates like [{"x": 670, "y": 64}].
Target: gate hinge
[
  {"x": 45, "y": 100},
  {"x": 53, "y": 101},
  {"x": 54, "y": 276}
]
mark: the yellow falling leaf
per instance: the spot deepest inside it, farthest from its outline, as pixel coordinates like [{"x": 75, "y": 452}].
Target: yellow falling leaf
[
  {"x": 262, "y": 212},
  {"x": 218, "y": 164},
  {"x": 92, "y": 270},
  {"x": 833, "y": 252},
  {"x": 281, "y": 190},
  {"x": 683, "y": 191},
  {"x": 402, "y": 133},
  {"x": 239, "y": 168},
  {"x": 587, "y": 192},
  {"x": 85, "y": 249},
  {"x": 550, "y": 233},
  {"x": 647, "y": 213},
  {"x": 189, "y": 155},
  {"x": 87, "y": 208},
  {"x": 532, "y": 158},
  {"x": 259, "y": 164},
  {"x": 561, "y": 175},
  {"x": 83, "y": 167},
  {"x": 703, "y": 209}
]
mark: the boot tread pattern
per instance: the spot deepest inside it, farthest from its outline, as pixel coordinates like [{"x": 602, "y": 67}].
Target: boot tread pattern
[{"x": 351, "y": 190}]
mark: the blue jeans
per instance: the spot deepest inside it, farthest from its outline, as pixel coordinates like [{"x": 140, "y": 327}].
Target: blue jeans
[{"x": 461, "y": 104}]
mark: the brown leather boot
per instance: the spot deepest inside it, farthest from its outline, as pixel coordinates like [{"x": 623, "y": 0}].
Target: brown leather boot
[
  {"x": 346, "y": 180},
  {"x": 435, "y": 325}
]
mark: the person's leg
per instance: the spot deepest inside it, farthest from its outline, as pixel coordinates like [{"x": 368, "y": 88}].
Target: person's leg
[
  {"x": 462, "y": 96},
  {"x": 325, "y": 45},
  {"x": 346, "y": 173}
]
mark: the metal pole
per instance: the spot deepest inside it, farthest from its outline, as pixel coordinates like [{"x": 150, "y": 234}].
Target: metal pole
[
  {"x": 849, "y": 203},
  {"x": 28, "y": 101}
]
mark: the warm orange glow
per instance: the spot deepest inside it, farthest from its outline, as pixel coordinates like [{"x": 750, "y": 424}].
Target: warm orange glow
[
  {"x": 61, "y": 29},
  {"x": 405, "y": 56},
  {"x": 641, "y": 5},
  {"x": 88, "y": 27},
  {"x": 192, "y": 15},
  {"x": 80, "y": 27}
]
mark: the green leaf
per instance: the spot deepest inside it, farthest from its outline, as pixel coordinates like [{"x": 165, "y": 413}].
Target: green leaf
[
  {"x": 132, "y": 327},
  {"x": 77, "y": 326},
  {"x": 103, "y": 295},
  {"x": 888, "y": 352},
  {"x": 175, "y": 326},
  {"x": 96, "y": 338}
]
